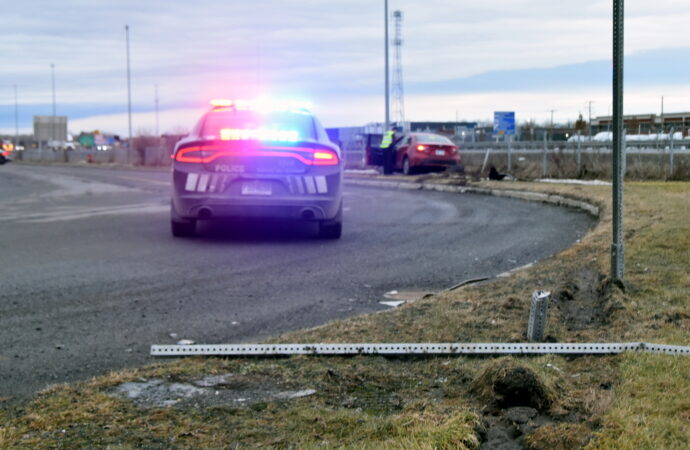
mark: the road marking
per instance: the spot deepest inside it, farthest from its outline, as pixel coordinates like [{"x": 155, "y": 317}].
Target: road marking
[
  {"x": 64, "y": 214},
  {"x": 145, "y": 180}
]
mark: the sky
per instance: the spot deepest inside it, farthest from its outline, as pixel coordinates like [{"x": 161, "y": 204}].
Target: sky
[{"x": 461, "y": 60}]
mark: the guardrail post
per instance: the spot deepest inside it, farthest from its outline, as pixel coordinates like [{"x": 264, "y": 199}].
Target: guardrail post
[{"x": 537, "y": 316}]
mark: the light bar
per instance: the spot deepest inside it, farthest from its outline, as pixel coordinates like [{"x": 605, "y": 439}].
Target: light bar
[
  {"x": 263, "y": 105},
  {"x": 259, "y": 134}
]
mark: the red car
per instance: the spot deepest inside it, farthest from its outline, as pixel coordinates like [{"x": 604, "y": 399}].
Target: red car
[{"x": 426, "y": 151}]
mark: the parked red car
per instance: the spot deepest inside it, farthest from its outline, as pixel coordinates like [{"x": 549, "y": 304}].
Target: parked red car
[{"x": 426, "y": 151}]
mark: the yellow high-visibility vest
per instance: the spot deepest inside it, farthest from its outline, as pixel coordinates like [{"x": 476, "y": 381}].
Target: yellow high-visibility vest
[{"x": 387, "y": 139}]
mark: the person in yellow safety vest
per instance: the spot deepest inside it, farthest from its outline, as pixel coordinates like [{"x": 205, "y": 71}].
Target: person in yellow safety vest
[
  {"x": 387, "y": 138},
  {"x": 388, "y": 142}
]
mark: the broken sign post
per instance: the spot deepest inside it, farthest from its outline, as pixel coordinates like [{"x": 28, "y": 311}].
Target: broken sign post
[{"x": 537, "y": 316}]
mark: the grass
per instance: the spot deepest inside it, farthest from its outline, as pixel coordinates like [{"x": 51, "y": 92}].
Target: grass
[{"x": 625, "y": 401}]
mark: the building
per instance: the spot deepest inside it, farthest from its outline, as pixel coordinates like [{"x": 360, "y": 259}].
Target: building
[{"x": 646, "y": 123}]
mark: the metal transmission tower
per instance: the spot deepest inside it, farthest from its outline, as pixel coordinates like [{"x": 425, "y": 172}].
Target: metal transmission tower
[{"x": 398, "y": 94}]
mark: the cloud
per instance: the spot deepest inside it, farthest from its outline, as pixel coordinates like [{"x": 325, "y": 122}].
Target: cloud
[{"x": 316, "y": 49}]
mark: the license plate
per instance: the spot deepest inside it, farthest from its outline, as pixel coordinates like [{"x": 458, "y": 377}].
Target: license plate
[
  {"x": 440, "y": 152},
  {"x": 256, "y": 188}
]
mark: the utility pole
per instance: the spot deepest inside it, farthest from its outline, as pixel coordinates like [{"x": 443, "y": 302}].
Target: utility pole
[
  {"x": 551, "y": 130},
  {"x": 156, "y": 103},
  {"x": 662, "y": 113},
  {"x": 398, "y": 92},
  {"x": 617, "y": 249},
  {"x": 388, "y": 118},
  {"x": 52, "y": 72},
  {"x": 129, "y": 97}
]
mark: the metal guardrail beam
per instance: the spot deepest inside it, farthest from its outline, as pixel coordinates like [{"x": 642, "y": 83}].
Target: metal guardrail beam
[{"x": 417, "y": 349}]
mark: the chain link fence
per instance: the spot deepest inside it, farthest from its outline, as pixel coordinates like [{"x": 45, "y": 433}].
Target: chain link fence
[{"x": 662, "y": 159}]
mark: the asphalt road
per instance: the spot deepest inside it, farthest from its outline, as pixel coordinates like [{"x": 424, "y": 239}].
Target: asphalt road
[{"x": 90, "y": 276}]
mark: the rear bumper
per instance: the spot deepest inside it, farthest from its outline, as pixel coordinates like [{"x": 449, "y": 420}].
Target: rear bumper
[
  {"x": 435, "y": 162},
  {"x": 310, "y": 197}
]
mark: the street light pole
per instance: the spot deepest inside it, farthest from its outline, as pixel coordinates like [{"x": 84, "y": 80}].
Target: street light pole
[
  {"x": 156, "y": 102},
  {"x": 129, "y": 98},
  {"x": 52, "y": 75},
  {"x": 388, "y": 118},
  {"x": 16, "y": 118},
  {"x": 617, "y": 249}
]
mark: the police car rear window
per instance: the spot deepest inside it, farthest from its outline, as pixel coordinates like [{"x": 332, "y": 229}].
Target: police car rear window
[{"x": 241, "y": 124}]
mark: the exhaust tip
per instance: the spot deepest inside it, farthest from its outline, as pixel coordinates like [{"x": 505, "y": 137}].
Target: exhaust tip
[
  {"x": 307, "y": 214},
  {"x": 205, "y": 213}
]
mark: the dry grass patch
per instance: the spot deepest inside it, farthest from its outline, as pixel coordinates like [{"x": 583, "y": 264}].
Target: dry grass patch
[{"x": 626, "y": 401}]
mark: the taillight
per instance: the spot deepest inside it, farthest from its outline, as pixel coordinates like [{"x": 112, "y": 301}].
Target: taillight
[
  {"x": 206, "y": 153},
  {"x": 194, "y": 154},
  {"x": 421, "y": 148},
  {"x": 325, "y": 158}
]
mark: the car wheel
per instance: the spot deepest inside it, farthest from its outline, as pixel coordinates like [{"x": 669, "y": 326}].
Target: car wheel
[
  {"x": 183, "y": 229},
  {"x": 332, "y": 229},
  {"x": 407, "y": 170},
  {"x": 179, "y": 226}
]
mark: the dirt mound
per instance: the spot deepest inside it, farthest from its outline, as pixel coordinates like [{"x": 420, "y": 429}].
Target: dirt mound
[
  {"x": 508, "y": 385},
  {"x": 518, "y": 402}
]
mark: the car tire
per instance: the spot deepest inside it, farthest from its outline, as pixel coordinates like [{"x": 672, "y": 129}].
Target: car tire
[
  {"x": 406, "y": 168},
  {"x": 332, "y": 229},
  {"x": 183, "y": 229}
]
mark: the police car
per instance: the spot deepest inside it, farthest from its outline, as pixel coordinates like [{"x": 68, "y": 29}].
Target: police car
[{"x": 257, "y": 159}]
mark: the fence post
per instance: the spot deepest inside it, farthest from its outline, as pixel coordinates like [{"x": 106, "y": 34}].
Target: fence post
[
  {"x": 579, "y": 154},
  {"x": 510, "y": 159},
  {"x": 670, "y": 156},
  {"x": 543, "y": 162},
  {"x": 486, "y": 160}
]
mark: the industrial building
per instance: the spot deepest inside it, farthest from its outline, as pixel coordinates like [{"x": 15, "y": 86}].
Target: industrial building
[{"x": 646, "y": 123}]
